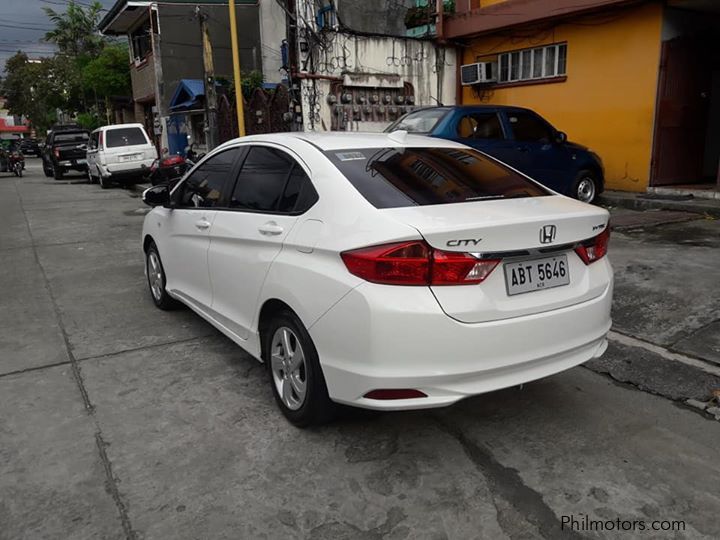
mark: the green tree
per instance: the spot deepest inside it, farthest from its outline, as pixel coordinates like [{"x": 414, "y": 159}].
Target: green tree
[
  {"x": 107, "y": 76},
  {"x": 31, "y": 90},
  {"x": 75, "y": 32}
]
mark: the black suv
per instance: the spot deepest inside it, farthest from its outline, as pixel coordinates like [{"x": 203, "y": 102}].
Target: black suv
[{"x": 65, "y": 149}]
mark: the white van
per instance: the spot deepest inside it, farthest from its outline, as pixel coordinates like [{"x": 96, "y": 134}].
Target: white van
[{"x": 122, "y": 153}]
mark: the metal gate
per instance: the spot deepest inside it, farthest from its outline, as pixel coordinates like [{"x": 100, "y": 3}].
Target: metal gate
[{"x": 266, "y": 111}]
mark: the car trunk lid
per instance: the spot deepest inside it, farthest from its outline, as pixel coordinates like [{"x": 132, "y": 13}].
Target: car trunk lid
[{"x": 511, "y": 230}]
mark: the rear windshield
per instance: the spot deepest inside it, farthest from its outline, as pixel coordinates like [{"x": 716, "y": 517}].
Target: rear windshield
[
  {"x": 397, "y": 177},
  {"x": 124, "y": 137},
  {"x": 422, "y": 121},
  {"x": 77, "y": 136}
]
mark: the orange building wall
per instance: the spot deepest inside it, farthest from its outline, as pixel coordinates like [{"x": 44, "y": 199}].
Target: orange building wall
[{"x": 608, "y": 99}]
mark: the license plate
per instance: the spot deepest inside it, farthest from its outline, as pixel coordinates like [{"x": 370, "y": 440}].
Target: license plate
[
  {"x": 537, "y": 274},
  {"x": 131, "y": 157}
]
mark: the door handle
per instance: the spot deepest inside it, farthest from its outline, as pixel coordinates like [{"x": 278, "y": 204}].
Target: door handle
[
  {"x": 202, "y": 224},
  {"x": 270, "y": 228}
]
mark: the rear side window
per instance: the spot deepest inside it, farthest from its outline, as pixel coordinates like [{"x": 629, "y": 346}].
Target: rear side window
[
  {"x": 397, "y": 177},
  {"x": 272, "y": 181},
  {"x": 422, "y": 121},
  {"x": 124, "y": 137},
  {"x": 480, "y": 126}
]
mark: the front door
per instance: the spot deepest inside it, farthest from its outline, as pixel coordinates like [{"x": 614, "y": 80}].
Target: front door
[
  {"x": 187, "y": 239},
  {"x": 271, "y": 190},
  {"x": 682, "y": 113},
  {"x": 539, "y": 155}
]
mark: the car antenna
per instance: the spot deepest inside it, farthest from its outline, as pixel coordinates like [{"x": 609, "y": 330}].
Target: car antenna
[{"x": 440, "y": 103}]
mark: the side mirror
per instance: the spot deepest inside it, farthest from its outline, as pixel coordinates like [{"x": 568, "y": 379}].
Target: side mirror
[
  {"x": 560, "y": 137},
  {"x": 156, "y": 196}
]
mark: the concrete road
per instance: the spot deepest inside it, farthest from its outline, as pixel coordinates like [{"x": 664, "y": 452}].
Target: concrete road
[{"x": 118, "y": 420}]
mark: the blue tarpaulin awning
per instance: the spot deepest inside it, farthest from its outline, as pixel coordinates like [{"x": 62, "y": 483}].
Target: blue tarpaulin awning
[{"x": 188, "y": 95}]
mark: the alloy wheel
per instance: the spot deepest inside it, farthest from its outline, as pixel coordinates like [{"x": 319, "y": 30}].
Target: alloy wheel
[
  {"x": 155, "y": 275},
  {"x": 289, "y": 372}
]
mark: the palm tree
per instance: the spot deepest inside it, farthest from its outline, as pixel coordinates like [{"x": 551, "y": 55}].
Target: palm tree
[{"x": 75, "y": 32}]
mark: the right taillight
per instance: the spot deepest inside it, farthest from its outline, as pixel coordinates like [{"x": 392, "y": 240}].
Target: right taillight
[
  {"x": 595, "y": 248},
  {"x": 416, "y": 263}
]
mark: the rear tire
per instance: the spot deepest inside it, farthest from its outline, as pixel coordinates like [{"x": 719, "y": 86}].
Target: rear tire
[
  {"x": 57, "y": 173},
  {"x": 299, "y": 388},
  {"x": 48, "y": 172},
  {"x": 104, "y": 182},
  {"x": 586, "y": 186},
  {"x": 155, "y": 273}
]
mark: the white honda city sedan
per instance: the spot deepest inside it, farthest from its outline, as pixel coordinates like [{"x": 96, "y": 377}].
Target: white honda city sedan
[{"x": 385, "y": 271}]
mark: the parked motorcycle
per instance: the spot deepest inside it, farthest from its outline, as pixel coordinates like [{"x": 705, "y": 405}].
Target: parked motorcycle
[
  {"x": 168, "y": 169},
  {"x": 12, "y": 160},
  {"x": 16, "y": 163}
]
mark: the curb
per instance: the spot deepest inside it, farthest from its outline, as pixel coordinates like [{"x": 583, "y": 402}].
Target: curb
[{"x": 645, "y": 202}]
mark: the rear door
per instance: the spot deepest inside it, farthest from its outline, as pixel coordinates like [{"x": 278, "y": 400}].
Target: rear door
[
  {"x": 93, "y": 152},
  {"x": 271, "y": 190},
  {"x": 186, "y": 234},
  {"x": 127, "y": 145}
]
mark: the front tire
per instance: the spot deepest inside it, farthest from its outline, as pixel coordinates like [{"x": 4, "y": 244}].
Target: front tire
[
  {"x": 294, "y": 370},
  {"x": 156, "y": 279},
  {"x": 585, "y": 187}
]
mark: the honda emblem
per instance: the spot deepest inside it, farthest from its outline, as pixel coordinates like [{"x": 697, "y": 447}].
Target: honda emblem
[{"x": 547, "y": 234}]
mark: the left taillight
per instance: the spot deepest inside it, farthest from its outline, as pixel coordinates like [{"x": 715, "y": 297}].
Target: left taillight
[
  {"x": 595, "y": 248},
  {"x": 416, "y": 263},
  {"x": 56, "y": 151}
]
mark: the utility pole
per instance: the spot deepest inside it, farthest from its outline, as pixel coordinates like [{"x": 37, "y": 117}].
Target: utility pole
[
  {"x": 236, "y": 70},
  {"x": 209, "y": 82}
]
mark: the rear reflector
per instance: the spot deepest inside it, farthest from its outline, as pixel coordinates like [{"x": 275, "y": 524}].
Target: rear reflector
[
  {"x": 416, "y": 263},
  {"x": 595, "y": 248},
  {"x": 395, "y": 393}
]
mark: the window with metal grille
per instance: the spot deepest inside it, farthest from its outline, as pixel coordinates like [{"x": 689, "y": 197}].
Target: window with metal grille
[{"x": 532, "y": 64}]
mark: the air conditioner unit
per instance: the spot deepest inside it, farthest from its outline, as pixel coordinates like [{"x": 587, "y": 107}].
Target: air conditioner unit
[{"x": 478, "y": 73}]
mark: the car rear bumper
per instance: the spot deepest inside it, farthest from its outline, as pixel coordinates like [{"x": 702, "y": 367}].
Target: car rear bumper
[
  {"x": 126, "y": 171},
  {"x": 380, "y": 337},
  {"x": 79, "y": 164}
]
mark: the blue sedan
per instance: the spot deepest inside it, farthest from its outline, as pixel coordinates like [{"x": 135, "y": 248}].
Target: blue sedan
[{"x": 519, "y": 137}]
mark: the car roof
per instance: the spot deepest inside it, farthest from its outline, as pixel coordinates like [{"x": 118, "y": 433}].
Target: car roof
[
  {"x": 118, "y": 126},
  {"x": 339, "y": 140},
  {"x": 473, "y": 108}
]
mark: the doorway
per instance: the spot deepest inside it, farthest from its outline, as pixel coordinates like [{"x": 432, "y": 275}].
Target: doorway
[{"x": 686, "y": 145}]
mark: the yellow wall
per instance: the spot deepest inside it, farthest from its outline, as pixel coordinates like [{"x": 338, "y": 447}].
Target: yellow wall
[{"x": 608, "y": 99}]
